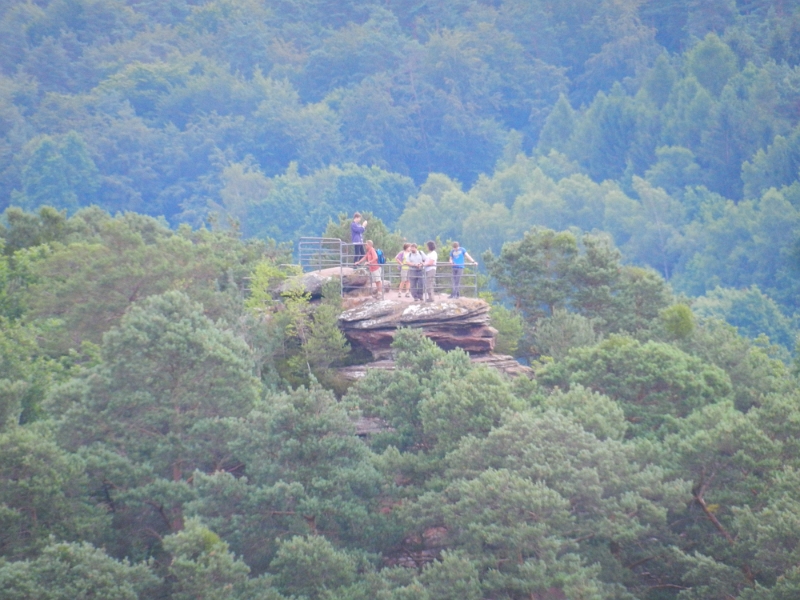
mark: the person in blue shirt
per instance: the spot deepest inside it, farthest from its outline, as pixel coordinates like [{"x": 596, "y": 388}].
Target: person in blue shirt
[
  {"x": 356, "y": 232},
  {"x": 457, "y": 256}
]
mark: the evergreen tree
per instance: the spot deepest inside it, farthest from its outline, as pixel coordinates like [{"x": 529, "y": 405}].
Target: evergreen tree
[
  {"x": 558, "y": 127},
  {"x": 59, "y": 173},
  {"x": 712, "y": 63},
  {"x": 65, "y": 571}
]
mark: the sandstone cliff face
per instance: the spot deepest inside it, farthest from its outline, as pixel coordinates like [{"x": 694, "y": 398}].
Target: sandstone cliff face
[
  {"x": 455, "y": 323},
  {"x": 452, "y": 323}
]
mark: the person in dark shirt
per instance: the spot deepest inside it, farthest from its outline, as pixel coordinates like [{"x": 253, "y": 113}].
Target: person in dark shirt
[
  {"x": 356, "y": 236},
  {"x": 415, "y": 259}
]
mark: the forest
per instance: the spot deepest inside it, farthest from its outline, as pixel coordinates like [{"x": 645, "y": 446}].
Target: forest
[{"x": 627, "y": 173}]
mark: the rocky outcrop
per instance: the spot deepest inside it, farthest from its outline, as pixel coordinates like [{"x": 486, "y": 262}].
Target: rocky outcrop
[
  {"x": 313, "y": 281},
  {"x": 503, "y": 363},
  {"x": 453, "y": 323},
  {"x": 457, "y": 323}
]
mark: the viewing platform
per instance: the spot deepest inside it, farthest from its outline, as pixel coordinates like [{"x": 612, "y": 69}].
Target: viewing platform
[
  {"x": 335, "y": 258},
  {"x": 371, "y": 319}
]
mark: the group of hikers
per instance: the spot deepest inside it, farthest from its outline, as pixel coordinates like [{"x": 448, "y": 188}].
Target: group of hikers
[{"x": 417, "y": 268}]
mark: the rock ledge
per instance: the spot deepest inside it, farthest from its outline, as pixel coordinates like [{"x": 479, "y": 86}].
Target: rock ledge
[{"x": 455, "y": 323}]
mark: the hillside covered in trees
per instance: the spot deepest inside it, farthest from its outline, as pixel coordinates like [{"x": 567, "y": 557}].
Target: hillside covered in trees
[
  {"x": 672, "y": 126},
  {"x": 628, "y": 175},
  {"x": 171, "y": 428}
]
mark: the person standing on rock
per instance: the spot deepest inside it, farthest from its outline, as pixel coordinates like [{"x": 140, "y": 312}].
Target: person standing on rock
[
  {"x": 401, "y": 260},
  {"x": 430, "y": 272},
  {"x": 457, "y": 256},
  {"x": 375, "y": 270},
  {"x": 415, "y": 260},
  {"x": 356, "y": 232}
]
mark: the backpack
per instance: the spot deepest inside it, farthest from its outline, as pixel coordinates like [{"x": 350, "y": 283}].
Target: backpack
[{"x": 381, "y": 257}]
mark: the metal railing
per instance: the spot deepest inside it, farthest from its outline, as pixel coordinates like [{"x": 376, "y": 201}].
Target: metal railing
[{"x": 317, "y": 254}]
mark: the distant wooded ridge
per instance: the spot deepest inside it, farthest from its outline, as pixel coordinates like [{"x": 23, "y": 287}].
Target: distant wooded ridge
[{"x": 673, "y": 126}]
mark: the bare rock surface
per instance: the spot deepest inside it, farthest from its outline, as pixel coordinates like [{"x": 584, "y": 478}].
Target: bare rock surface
[
  {"x": 366, "y": 426},
  {"x": 504, "y": 363},
  {"x": 452, "y": 323},
  {"x": 313, "y": 281}
]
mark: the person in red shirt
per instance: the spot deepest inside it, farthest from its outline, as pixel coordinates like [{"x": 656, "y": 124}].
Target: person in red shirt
[{"x": 375, "y": 271}]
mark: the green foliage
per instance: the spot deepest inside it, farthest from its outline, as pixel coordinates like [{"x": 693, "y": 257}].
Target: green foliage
[
  {"x": 657, "y": 464},
  {"x": 42, "y": 494},
  {"x": 311, "y": 567},
  {"x": 26, "y": 229},
  {"x": 535, "y": 271},
  {"x": 65, "y": 571},
  {"x": 598, "y": 414},
  {"x": 752, "y": 371},
  {"x": 674, "y": 169},
  {"x": 750, "y": 311},
  {"x": 556, "y": 335},
  {"x": 434, "y": 398},
  {"x": 59, "y": 174},
  {"x": 510, "y": 328},
  {"x": 26, "y": 375},
  {"x": 712, "y": 62},
  {"x": 776, "y": 166},
  {"x": 651, "y": 381},
  {"x": 549, "y": 270},
  {"x": 264, "y": 279},
  {"x": 452, "y": 578},
  {"x": 745, "y": 244},
  {"x": 166, "y": 372},
  {"x": 679, "y": 321},
  {"x": 310, "y": 336},
  {"x": 104, "y": 265},
  {"x": 290, "y": 204},
  {"x": 518, "y": 502},
  {"x": 306, "y": 473},
  {"x": 203, "y": 567}
]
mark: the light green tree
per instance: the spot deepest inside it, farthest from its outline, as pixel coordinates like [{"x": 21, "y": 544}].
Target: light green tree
[
  {"x": 652, "y": 381},
  {"x": 164, "y": 372},
  {"x": 202, "y": 567},
  {"x": 65, "y": 571}
]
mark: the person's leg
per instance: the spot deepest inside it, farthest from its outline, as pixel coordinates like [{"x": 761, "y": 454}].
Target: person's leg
[
  {"x": 358, "y": 250},
  {"x": 430, "y": 282},
  {"x": 416, "y": 284},
  {"x": 453, "y": 283},
  {"x": 457, "y": 281}
]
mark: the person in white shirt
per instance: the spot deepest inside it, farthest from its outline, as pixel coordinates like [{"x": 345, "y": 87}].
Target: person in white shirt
[{"x": 430, "y": 272}]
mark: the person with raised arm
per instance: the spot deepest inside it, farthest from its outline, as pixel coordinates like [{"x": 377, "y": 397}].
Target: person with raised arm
[
  {"x": 356, "y": 237},
  {"x": 457, "y": 256}
]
